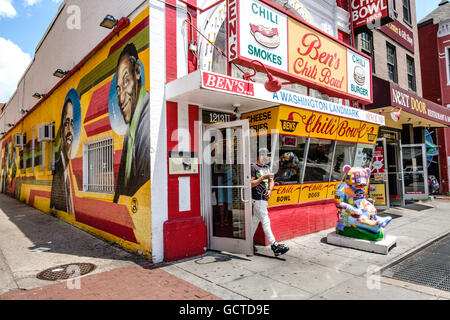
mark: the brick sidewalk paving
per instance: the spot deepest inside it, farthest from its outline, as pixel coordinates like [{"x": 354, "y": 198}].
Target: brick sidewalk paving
[{"x": 130, "y": 283}]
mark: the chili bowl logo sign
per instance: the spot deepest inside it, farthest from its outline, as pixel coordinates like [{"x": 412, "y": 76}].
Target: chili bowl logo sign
[{"x": 263, "y": 32}]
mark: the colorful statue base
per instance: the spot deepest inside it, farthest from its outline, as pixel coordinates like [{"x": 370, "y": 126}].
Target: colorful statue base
[
  {"x": 361, "y": 234},
  {"x": 357, "y": 216}
]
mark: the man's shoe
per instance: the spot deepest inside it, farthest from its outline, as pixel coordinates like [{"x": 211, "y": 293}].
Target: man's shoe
[{"x": 279, "y": 249}]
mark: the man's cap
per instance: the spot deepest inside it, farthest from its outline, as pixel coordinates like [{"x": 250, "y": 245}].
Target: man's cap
[{"x": 264, "y": 152}]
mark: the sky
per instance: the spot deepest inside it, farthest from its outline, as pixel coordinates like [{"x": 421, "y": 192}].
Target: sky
[
  {"x": 24, "y": 22},
  {"x": 22, "y": 26},
  {"x": 424, "y": 7}
]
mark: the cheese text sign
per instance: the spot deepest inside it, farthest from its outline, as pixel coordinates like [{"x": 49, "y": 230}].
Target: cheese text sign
[{"x": 294, "y": 50}]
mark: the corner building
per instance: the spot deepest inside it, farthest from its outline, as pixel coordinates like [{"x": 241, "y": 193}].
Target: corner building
[
  {"x": 148, "y": 137},
  {"x": 434, "y": 36}
]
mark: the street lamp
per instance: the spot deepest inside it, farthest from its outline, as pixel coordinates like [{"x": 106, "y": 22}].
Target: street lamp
[
  {"x": 109, "y": 22},
  {"x": 60, "y": 74},
  {"x": 38, "y": 95}
]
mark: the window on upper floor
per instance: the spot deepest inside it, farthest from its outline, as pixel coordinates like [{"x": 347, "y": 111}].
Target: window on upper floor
[
  {"x": 367, "y": 46},
  {"x": 411, "y": 70},
  {"x": 447, "y": 56},
  {"x": 407, "y": 11},
  {"x": 392, "y": 62}
]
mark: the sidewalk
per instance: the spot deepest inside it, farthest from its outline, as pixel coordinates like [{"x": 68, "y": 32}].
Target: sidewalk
[
  {"x": 315, "y": 270},
  {"x": 311, "y": 270},
  {"x": 119, "y": 275}
]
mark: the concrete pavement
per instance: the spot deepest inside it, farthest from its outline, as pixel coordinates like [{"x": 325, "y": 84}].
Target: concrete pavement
[{"x": 312, "y": 269}]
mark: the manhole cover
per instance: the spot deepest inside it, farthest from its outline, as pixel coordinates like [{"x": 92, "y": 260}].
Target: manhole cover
[
  {"x": 67, "y": 271},
  {"x": 388, "y": 214},
  {"x": 417, "y": 207},
  {"x": 428, "y": 266}
]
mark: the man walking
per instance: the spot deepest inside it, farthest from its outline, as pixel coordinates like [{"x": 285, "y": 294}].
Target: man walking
[{"x": 262, "y": 186}]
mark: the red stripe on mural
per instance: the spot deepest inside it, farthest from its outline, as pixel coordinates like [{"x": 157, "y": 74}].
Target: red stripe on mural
[
  {"x": 38, "y": 193},
  {"x": 77, "y": 170},
  {"x": 99, "y": 103},
  {"x": 108, "y": 217},
  {"x": 100, "y": 126},
  {"x": 139, "y": 27}
]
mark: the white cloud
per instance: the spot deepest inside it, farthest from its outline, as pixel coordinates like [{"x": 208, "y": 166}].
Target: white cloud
[
  {"x": 29, "y": 3},
  {"x": 7, "y": 9},
  {"x": 13, "y": 63}
]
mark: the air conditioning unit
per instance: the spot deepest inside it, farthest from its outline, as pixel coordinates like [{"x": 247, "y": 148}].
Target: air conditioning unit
[
  {"x": 20, "y": 140},
  {"x": 46, "y": 132}
]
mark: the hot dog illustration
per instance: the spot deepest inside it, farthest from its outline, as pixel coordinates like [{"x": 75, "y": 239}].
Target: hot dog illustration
[{"x": 268, "y": 37}]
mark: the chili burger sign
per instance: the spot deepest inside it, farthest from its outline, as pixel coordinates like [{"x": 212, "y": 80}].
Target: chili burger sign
[{"x": 294, "y": 50}]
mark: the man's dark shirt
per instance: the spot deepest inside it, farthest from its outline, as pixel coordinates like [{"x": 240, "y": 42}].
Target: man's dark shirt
[{"x": 258, "y": 192}]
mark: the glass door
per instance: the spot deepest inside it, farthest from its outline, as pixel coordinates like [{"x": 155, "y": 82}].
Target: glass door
[
  {"x": 379, "y": 184},
  {"x": 395, "y": 176},
  {"x": 415, "y": 176},
  {"x": 226, "y": 190}
]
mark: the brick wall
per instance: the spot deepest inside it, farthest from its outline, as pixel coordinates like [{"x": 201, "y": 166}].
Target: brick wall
[
  {"x": 429, "y": 61},
  {"x": 380, "y": 52}
]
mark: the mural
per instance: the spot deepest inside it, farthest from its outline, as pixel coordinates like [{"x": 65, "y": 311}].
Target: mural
[
  {"x": 96, "y": 172},
  {"x": 357, "y": 216},
  {"x": 68, "y": 139},
  {"x": 128, "y": 93}
]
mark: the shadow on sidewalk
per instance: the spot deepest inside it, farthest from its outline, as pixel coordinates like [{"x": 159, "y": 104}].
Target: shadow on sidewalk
[{"x": 47, "y": 231}]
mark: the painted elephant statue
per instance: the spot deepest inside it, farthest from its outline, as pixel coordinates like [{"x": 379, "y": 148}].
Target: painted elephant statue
[{"x": 357, "y": 217}]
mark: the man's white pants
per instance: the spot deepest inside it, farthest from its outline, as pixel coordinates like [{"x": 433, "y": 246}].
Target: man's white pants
[{"x": 261, "y": 214}]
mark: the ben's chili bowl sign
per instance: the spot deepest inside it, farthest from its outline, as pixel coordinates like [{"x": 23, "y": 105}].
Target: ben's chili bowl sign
[
  {"x": 222, "y": 83},
  {"x": 297, "y": 51}
]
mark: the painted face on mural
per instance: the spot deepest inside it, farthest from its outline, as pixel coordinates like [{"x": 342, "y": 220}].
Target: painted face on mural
[
  {"x": 67, "y": 133},
  {"x": 128, "y": 86}
]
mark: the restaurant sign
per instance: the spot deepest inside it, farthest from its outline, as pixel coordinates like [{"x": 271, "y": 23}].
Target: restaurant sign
[
  {"x": 220, "y": 83},
  {"x": 399, "y": 33},
  {"x": 296, "y": 122},
  {"x": 412, "y": 103},
  {"x": 370, "y": 12},
  {"x": 296, "y": 51}
]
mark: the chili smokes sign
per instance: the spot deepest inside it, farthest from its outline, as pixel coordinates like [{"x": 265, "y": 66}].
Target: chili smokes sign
[{"x": 257, "y": 30}]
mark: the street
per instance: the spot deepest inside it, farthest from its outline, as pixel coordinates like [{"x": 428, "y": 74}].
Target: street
[{"x": 312, "y": 269}]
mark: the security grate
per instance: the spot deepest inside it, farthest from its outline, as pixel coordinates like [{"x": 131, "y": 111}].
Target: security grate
[
  {"x": 68, "y": 271},
  {"x": 429, "y": 266}
]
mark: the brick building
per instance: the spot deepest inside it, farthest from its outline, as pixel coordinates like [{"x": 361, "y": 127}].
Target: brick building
[
  {"x": 411, "y": 120},
  {"x": 434, "y": 39}
]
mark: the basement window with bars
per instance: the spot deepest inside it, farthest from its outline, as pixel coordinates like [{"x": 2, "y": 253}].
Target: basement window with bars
[{"x": 98, "y": 165}]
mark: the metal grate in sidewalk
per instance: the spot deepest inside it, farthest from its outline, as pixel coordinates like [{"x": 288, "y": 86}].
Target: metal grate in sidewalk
[{"x": 429, "y": 266}]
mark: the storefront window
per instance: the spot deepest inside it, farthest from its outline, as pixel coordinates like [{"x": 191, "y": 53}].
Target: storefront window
[
  {"x": 343, "y": 156},
  {"x": 364, "y": 155},
  {"x": 292, "y": 150},
  {"x": 318, "y": 165}
]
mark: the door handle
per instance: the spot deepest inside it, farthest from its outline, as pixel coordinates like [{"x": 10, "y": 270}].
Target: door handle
[{"x": 242, "y": 195}]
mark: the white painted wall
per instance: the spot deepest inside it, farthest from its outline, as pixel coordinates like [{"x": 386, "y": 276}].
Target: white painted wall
[{"x": 158, "y": 127}]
